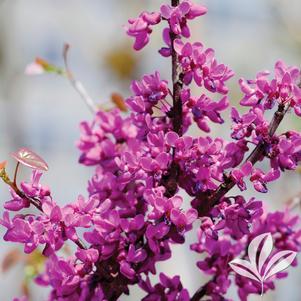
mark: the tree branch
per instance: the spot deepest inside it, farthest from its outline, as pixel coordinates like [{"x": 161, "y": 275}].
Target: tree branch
[
  {"x": 177, "y": 85},
  {"x": 36, "y": 203},
  {"x": 170, "y": 181},
  {"x": 32, "y": 200},
  {"x": 254, "y": 157},
  {"x": 200, "y": 293}
]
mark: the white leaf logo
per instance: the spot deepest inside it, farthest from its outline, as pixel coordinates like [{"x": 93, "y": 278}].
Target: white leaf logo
[{"x": 261, "y": 267}]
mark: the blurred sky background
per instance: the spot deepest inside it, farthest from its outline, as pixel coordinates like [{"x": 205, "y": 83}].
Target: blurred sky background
[{"x": 43, "y": 112}]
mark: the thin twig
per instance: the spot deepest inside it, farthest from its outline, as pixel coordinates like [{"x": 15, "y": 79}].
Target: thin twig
[
  {"x": 38, "y": 205},
  {"x": 77, "y": 85},
  {"x": 80, "y": 244},
  {"x": 16, "y": 173},
  {"x": 32, "y": 200}
]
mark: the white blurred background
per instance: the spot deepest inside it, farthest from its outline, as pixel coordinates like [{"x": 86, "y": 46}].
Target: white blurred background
[{"x": 43, "y": 112}]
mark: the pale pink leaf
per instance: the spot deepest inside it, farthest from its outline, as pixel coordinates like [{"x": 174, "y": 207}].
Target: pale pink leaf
[
  {"x": 30, "y": 159},
  {"x": 254, "y": 246},
  {"x": 265, "y": 251},
  {"x": 275, "y": 259},
  {"x": 260, "y": 248},
  {"x": 282, "y": 264},
  {"x": 243, "y": 272},
  {"x": 246, "y": 264}
]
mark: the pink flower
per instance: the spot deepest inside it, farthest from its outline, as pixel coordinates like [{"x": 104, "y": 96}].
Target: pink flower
[
  {"x": 245, "y": 125},
  {"x": 19, "y": 231},
  {"x": 260, "y": 179},
  {"x": 148, "y": 92},
  {"x": 183, "y": 220},
  {"x": 133, "y": 257},
  {"x": 87, "y": 256},
  {"x": 154, "y": 233},
  {"x": 154, "y": 165},
  {"x": 239, "y": 174},
  {"x": 204, "y": 109},
  {"x": 17, "y": 203},
  {"x": 178, "y": 16},
  {"x": 239, "y": 216},
  {"x": 62, "y": 276},
  {"x": 34, "y": 188},
  {"x": 199, "y": 64},
  {"x": 140, "y": 28},
  {"x": 168, "y": 288},
  {"x": 283, "y": 88}
]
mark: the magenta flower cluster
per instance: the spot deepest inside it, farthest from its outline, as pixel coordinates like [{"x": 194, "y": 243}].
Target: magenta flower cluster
[{"x": 134, "y": 211}]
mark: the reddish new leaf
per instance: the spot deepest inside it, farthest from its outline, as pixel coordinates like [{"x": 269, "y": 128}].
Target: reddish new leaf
[{"x": 30, "y": 159}]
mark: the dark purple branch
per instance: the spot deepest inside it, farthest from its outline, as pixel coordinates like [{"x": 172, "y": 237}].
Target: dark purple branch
[
  {"x": 32, "y": 201},
  {"x": 170, "y": 182},
  {"x": 200, "y": 293},
  {"x": 216, "y": 196},
  {"x": 177, "y": 85}
]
